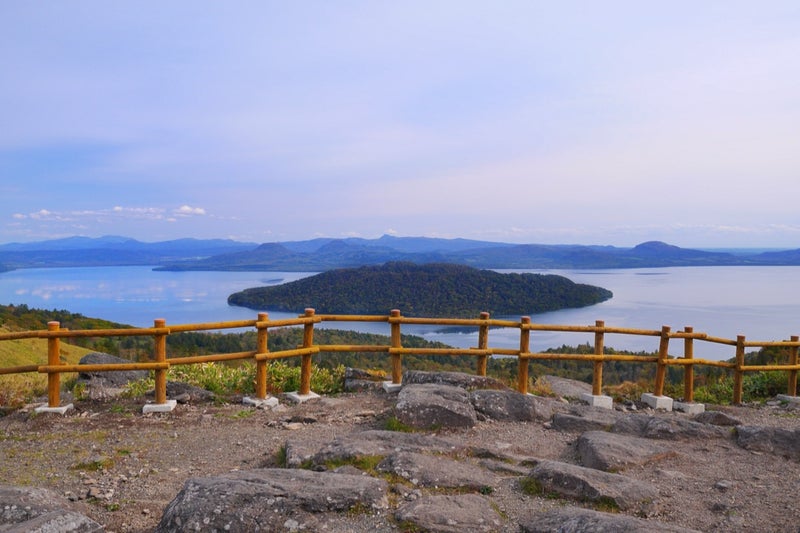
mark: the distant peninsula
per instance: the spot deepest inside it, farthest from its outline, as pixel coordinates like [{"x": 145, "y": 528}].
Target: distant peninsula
[{"x": 434, "y": 289}]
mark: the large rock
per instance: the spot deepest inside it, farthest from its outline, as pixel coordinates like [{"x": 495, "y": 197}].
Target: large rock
[
  {"x": 357, "y": 380},
  {"x": 613, "y": 452},
  {"x": 265, "y": 499},
  {"x": 578, "y": 520},
  {"x": 455, "y": 379},
  {"x": 371, "y": 443},
  {"x": 779, "y": 441},
  {"x": 441, "y": 472},
  {"x": 654, "y": 427},
  {"x": 26, "y": 509},
  {"x": 430, "y": 406},
  {"x": 449, "y": 514},
  {"x": 579, "y": 420},
  {"x": 587, "y": 484},
  {"x": 510, "y": 406},
  {"x": 114, "y": 379},
  {"x": 567, "y": 388},
  {"x": 717, "y": 418}
]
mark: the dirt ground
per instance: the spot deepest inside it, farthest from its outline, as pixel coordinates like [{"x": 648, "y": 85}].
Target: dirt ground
[{"x": 122, "y": 468}]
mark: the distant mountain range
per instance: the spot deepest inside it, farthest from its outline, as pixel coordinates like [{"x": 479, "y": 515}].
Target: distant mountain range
[{"x": 326, "y": 254}]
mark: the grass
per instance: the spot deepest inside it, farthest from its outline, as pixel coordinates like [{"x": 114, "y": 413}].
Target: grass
[
  {"x": 18, "y": 389},
  {"x": 393, "y": 424}
]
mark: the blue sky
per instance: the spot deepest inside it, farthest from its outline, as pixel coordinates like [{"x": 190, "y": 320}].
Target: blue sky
[{"x": 610, "y": 122}]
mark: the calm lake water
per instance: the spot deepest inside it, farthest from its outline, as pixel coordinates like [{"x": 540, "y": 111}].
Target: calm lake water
[{"x": 759, "y": 302}]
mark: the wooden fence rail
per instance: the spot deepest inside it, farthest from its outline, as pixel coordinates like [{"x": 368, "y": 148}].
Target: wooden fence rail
[{"x": 161, "y": 364}]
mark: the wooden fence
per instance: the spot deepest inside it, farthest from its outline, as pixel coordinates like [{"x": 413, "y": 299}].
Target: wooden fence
[{"x": 261, "y": 355}]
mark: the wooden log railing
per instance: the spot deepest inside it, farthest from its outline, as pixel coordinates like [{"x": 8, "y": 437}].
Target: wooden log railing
[{"x": 161, "y": 363}]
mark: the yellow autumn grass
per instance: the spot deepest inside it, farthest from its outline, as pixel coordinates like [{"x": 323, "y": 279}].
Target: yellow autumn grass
[{"x": 18, "y": 389}]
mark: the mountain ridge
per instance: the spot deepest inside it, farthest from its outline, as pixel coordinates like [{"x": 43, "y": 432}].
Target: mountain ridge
[{"x": 322, "y": 254}]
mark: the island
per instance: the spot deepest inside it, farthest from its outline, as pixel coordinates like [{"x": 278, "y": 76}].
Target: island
[{"x": 423, "y": 290}]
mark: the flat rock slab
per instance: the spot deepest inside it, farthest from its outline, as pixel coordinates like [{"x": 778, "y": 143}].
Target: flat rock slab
[
  {"x": 655, "y": 427},
  {"x": 264, "y": 499},
  {"x": 455, "y": 379},
  {"x": 374, "y": 443},
  {"x": 588, "y": 419},
  {"x": 717, "y": 418},
  {"x": 438, "y": 471},
  {"x": 510, "y": 406},
  {"x": 567, "y": 388},
  {"x": 25, "y": 509},
  {"x": 449, "y": 514},
  {"x": 778, "y": 441},
  {"x": 578, "y": 520},
  {"x": 587, "y": 484},
  {"x": 613, "y": 452},
  {"x": 430, "y": 406}
]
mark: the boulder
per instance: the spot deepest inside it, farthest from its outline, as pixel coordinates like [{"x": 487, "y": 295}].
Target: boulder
[
  {"x": 449, "y": 514},
  {"x": 455, "y": 379},
  {"x": 33, "y": 509},
  {"x": 567, "y": 388},
  {"x": 430, "y": 406},
  {"x": 510, "y": 406},
  {"x": 588, "y": 484},
  {"x": 717, "y": 418},
  {"x": 185, "y": 393},
  {"x": 266, "y": 499},
  {"x": 654, "y": 427},
  {"x": 778, "y": 441},
  {"x": 613, "y": 452},
  {"x": 357, "y": 380},
  {"x": 578, "y": 520},
  {"x": 113, "y": 379}
]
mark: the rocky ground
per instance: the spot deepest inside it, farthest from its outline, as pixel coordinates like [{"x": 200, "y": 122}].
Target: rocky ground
[{"x": 122, "y": 468}]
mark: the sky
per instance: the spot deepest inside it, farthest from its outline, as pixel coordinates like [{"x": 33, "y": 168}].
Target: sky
[{"x": 581, "y": 122}]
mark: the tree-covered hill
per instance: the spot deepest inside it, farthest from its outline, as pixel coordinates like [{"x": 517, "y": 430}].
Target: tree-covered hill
[{"x": 437, "y": 289}]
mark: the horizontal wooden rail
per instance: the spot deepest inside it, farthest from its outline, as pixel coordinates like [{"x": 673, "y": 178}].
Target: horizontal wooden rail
[
  {"x": 588, "y": 357},
  {"x": 287, "y": 353},
  {"x": 395, "y": 350},
  {"x": 353, "y": 348},
  {"x": 19, "y": 369},
  {"x": 440, "y": 351},
  {"x": 211, "y": 358},
  {"x": 46, "y": 369}
]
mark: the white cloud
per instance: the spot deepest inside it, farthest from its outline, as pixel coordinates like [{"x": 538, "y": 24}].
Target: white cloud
[{"x": 186, "y": 210}]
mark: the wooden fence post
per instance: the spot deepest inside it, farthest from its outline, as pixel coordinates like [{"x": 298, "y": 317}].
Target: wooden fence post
[
  {"x": 688, "y": 372},
  {"x": 793, "y": 357},
  {"x": 483, "y": 344},
  {"x": 261, "y": 366},
  {"x": 53, "y": 358},
  {"x": 524, "y": 348},
  {"x": 738, "y": 373},
  {"x": 305, "y": 359},
  {"x": 599, "y": 347},
  {"x": 161, "y": 357},
  {"x": 397, "y": 358},
  {"x": 661, "y": 368}
]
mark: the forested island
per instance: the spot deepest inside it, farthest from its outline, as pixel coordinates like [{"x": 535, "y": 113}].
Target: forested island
[{"x": 435, "y": 289}]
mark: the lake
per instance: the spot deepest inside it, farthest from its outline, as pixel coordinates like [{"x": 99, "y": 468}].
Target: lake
[{"x": 760, "y": 302}]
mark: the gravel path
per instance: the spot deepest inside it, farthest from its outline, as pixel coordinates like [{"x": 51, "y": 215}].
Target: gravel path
[{"x": 122, "y": 468}]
